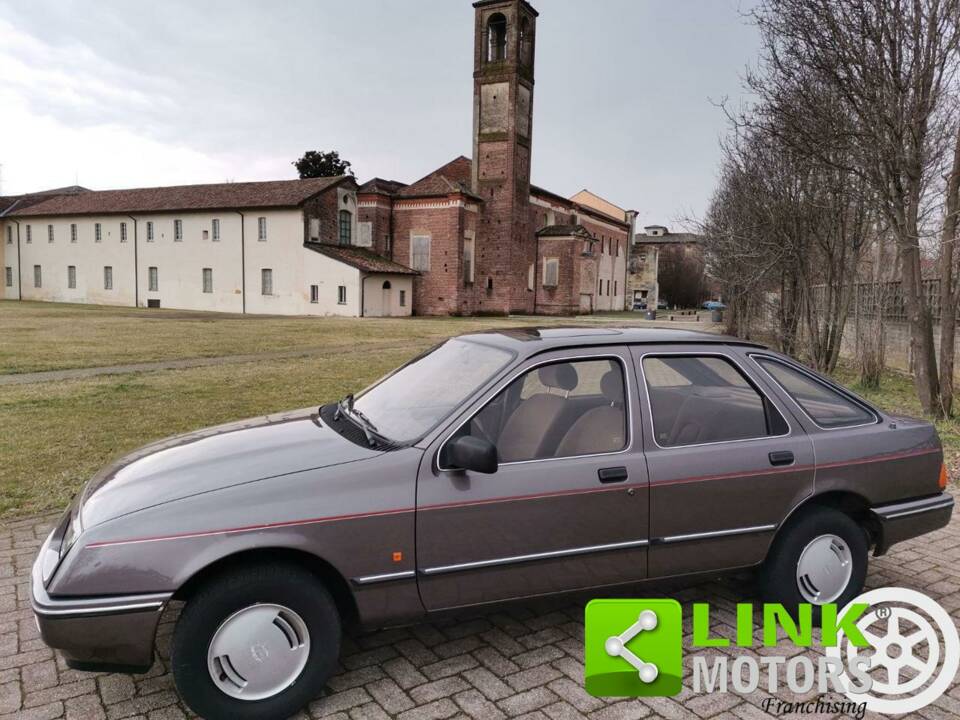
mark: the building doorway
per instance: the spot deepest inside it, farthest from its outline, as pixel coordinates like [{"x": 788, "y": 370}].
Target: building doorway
[{"x": 385, "y": 304}]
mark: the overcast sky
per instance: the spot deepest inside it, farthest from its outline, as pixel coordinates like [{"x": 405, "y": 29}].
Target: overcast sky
[{"x": 117, "y": 94}]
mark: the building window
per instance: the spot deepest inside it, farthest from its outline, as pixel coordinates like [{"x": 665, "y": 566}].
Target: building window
[
  {"x": 29, "y": 234},
  {"x": 262, "y": 229},
  {"x": 314, "y": 294},
  {"x": 208, "y": 280},
  {"x": 346, "y": 220},
  {"x": 468, "y": 260},
  {"x": 615, "y": 290},
  {"x": 9, "y": 235},
  {"x": 341, "y": 294},
  {"x": 266, "y": 281},
  {"x": 37, "y": 276},
  {"x": 600, "y": 288},
  {"x": 123, "y": 232},
  {"x": 496, "y": 38},
  {"x": 314, "y": 229},
  {"x": 73, "y": 232},
  {"x": 149, "y": 230},
  {"x": 526, "y": 41},
  {"x": 403, "y": 298},
  {"x": 49, "y": 233},
  {"x": 551, "y": 272},
  {"x": 153, "y": 280},
  {"x": 206, "y": 234},
  {"x": 215, "y": 229},
  {"x": 420, "y": 253},
  {"x": 8, "y": 271},
  {"x": 178, "y": 230},
  {"x": 107, "y": 277},
  {"x": 72, "y": 277},
  {"x": 97, "y": 232},
  {"x": 531, "y": 283},
  {"x": 365, "y": 234},
  {"x": 608, "y": 288}
]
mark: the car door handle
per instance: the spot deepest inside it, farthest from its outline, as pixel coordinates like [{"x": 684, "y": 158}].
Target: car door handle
[
  {"x": 781, "y": 457},
  {"x": 612, "y": 474}
]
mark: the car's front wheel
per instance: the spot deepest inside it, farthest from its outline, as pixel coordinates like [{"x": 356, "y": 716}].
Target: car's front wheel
[
  {"x": 258, "y": 642},
  {"x": 819, "y": 557}
]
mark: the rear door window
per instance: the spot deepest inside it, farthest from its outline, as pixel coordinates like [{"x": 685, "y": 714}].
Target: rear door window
[
  {"x": 827, "y": 407},
  {"x": 699, "y": 399}
]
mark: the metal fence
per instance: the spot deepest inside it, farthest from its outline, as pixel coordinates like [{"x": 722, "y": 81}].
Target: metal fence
[{"x": 885, "y": 298}]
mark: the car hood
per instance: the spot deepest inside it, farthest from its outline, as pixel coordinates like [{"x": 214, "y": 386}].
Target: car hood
[{"x": 212, "y": 459}]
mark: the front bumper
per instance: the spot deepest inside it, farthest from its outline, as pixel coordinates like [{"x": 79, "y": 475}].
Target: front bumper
[
  {"x": 98, "y": 633},
  {"x": 904, "y": 520}
]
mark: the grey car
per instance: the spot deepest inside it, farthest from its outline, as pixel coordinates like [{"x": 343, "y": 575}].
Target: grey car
[{"x": 496, "y": 466}]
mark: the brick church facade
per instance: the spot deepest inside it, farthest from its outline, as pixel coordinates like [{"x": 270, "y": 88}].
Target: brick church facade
[
  {"x": 481, "y": 237},
  {"x": 472, "y": 237}
]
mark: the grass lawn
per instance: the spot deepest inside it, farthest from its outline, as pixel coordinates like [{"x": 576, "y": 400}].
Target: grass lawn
[
  {"x": 55, "y": 435},
  {"x": 36, "y": 336}
]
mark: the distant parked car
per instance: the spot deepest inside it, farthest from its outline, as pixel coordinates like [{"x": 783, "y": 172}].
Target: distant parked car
[
  {"x": 496, "y": 466},
  {"x": 662, "y": 304},
  {"x": 639, "y": 304},
  {"x": 714, "y": 305}
]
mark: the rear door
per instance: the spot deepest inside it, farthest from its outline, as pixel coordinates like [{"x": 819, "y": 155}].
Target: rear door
[
  {"x": 567, "y": 508},
  {"x": 727, "y": 460}
]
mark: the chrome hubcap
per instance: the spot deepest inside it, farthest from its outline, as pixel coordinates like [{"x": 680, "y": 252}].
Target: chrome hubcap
[
  {"x": 824, "y": 569},
  {"x": 258, "y": 652}
]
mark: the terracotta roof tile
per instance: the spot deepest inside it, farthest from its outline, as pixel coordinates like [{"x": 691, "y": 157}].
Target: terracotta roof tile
[
  {"x": 454, "y": 177},
  {"x": 360, "y": 258},
  {"x": 276, "y": 193}
]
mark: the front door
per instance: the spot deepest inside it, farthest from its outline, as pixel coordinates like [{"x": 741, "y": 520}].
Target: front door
[
  {"x": 727, "y": 461},
  {"x": 566, "y": 509}
]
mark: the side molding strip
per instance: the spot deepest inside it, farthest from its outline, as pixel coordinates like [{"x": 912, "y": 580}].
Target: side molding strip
[
  {"x": 534, "y": 556},
  {"x": 385, "y": 577},
  {"x": 716, "y": 534}
]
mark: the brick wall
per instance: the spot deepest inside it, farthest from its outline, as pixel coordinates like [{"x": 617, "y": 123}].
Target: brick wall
[
  {"x": 437, "y": 291},
  {"x": 377, "y": 209},
  {"x": 325, "y": 207}
]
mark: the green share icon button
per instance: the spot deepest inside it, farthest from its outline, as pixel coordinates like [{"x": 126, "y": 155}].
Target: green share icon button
[{"x": 633, "y": 648}]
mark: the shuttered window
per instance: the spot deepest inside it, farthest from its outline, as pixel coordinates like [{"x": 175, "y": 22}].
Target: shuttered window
[
  {"x": 420, "y": 253},
  {"x": 266, "y": 281},
  {"x": 208, "y": 280}
]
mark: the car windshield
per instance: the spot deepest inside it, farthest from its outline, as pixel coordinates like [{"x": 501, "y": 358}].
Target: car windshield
[{"x": 416, "y": 397}]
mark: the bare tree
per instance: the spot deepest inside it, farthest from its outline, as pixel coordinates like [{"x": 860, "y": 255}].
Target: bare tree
[
  {"x": 949, "y": 288},
  {"x": 888, "y": 62}
]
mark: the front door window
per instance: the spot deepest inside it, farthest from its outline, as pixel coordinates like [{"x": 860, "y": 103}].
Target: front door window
[{"x": 557, "y": 410}]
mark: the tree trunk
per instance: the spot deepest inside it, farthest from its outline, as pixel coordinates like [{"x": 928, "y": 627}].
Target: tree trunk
[{"x": 948, "y": 297}]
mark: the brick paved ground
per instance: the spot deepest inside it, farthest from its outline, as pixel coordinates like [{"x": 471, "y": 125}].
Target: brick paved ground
[{"x": 522, "y": 661}]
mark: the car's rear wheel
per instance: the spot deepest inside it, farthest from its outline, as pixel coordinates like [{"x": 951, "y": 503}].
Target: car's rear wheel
[
  {"x": 819, "y": 557},
  {"x": 258, "y": 642}
]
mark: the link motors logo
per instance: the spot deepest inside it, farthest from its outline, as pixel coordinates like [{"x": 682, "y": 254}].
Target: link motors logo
[
  {"x": 890, "y": 651},
  {"x": 913, "y": 652}
]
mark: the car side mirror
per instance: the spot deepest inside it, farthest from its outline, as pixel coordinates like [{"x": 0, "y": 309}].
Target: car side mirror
[{"x": 472, "y": 453}]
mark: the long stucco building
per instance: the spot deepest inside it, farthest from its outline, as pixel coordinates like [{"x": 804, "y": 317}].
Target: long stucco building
[{"x": 472, "y": 237}]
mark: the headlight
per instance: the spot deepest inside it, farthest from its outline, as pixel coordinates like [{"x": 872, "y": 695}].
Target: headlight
[
  {"x": 50, "y": 558},
  {"x": 72, "y": 532}
]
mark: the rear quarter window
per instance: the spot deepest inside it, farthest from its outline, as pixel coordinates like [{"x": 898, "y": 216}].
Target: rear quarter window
[{"x": 827, "y": 407}]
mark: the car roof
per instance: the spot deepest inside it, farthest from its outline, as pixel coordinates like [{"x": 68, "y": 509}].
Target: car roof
[{"x": 531, "y": 340}]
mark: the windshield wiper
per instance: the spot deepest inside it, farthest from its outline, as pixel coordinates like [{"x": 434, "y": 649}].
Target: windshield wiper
[{"x": 345, "y": 407}]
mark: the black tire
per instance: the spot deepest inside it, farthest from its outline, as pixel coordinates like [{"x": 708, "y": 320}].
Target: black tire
[
  {"x": 778, "y": 578},
  {"x": 287, "y": 585}
]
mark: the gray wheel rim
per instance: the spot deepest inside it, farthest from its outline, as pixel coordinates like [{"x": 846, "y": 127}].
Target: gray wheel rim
[
  {"x": 258, "y": 652},
  {"x": 824, "y": 569}
]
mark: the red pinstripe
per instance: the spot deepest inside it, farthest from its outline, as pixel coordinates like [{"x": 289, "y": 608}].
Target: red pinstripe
[{"x": 510, "y": 498}]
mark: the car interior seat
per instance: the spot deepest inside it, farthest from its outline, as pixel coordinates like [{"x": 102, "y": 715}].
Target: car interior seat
[
  {"x": 600, "y": 429},
  {"x": 525, "y": 432}
]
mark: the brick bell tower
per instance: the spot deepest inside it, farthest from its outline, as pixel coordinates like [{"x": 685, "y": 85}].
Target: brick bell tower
[{"x": 504, "y": 37}]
